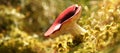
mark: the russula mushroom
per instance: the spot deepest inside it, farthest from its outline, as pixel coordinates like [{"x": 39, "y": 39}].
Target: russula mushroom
[{"x": 66, "y": 22}]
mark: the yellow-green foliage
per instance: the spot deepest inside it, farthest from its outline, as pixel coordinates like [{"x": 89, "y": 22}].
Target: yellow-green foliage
[{"x": 22, "y": 24}]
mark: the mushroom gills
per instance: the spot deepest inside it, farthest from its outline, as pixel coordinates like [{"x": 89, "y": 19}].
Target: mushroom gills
[{"x": 68, "y": 15}]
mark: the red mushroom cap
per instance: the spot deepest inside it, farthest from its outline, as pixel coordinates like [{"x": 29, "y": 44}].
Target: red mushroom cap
[{"x": 63, "y": 17}]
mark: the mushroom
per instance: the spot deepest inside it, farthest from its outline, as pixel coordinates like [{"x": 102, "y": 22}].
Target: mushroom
[{"x": 66, "y": 22}]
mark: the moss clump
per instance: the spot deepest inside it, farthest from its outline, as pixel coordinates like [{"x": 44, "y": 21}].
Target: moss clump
[{"x": 22, "y": 24}]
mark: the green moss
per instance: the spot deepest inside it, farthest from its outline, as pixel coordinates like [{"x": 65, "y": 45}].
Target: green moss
[{"x": 22, "y": 25}]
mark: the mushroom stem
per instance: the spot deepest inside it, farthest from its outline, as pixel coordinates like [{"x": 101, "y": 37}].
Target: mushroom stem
[
  {"x": 77, "y": 29},
  {"x": 73, "y": 28}
]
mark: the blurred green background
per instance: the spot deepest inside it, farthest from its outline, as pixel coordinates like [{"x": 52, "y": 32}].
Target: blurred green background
[{"x": 23, "y": 23}]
